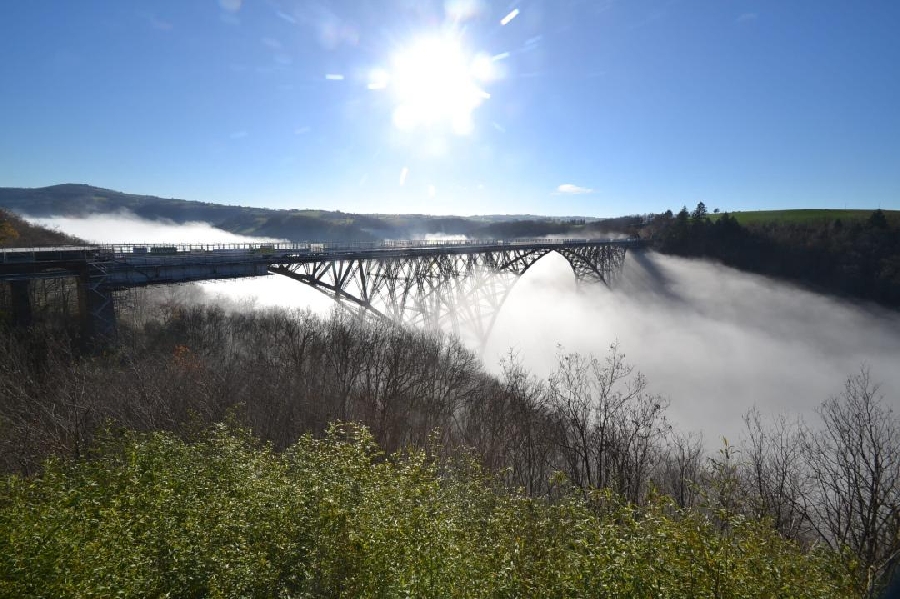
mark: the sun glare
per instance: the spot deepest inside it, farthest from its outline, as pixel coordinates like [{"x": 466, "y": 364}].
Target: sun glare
[{"x": 435, "y": 82}]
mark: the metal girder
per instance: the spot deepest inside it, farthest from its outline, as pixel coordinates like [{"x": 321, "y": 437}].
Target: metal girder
[
  {"x": 461, "y": 292},
  {"x": 97, "y": 306},
  {"x": 599, "y": 263}
]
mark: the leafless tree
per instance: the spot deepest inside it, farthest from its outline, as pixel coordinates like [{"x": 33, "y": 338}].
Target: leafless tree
[
  {"x": 854, "y": 460},
  {"x": 509, "y": 424},
  {"x": 608, "y": 426},
  {"x": 774, "y": 473},
  {"x": 681, "y": 473}
]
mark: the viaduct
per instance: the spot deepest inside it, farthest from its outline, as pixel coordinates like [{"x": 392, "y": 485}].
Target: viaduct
[{"x": 455, "y": 285}]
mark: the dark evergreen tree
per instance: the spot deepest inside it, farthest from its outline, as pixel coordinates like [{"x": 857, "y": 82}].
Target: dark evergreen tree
[{"x": 699, "y": 212}]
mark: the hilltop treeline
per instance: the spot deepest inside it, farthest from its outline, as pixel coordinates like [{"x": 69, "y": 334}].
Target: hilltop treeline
[
  {"x": 859, "y": 258},
  {"x": 584, "y": 482}
]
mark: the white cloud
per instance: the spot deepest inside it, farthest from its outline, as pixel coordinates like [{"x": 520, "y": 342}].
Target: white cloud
[
  {"x": 570, "y": 189},
  {"x": 747, "y": 16}
]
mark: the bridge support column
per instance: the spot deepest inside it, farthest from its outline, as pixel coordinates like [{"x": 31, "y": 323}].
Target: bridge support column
[
  {"x": 20, "y": 303},
  {"x": 96, "y": 309}
]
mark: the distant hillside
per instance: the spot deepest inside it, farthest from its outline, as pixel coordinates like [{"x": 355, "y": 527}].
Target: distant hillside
[
  {"x": 73, "y": 200},
  {"x": 852, "y": 253},
  {"x": 16, "y": 232},
  {"x": 84, "y": 200}
]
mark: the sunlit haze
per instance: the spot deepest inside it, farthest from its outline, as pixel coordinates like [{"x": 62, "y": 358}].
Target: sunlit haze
[{"x": 459, "y": 106}]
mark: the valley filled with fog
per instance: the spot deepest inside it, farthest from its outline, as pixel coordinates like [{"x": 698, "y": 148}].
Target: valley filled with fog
[{"x": 711, "y": 339}]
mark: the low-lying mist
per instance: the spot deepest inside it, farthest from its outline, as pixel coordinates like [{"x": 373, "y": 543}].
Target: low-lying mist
[
  {"x": 714, "y": 340},
  {"x": 128, "y": 228},
  {"x": 259, "y": 292}
]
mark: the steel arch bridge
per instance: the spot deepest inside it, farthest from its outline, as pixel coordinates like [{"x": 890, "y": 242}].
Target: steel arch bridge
[
  {"x": 461, "y": 290},
  {"x": 451, "y": 285}
]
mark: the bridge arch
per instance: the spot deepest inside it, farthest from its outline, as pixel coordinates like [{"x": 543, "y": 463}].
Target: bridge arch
[{"x": 460, "y": 291}]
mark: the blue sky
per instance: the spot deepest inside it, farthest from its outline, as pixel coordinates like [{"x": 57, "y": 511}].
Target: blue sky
[{"x": 595, "y": 108}]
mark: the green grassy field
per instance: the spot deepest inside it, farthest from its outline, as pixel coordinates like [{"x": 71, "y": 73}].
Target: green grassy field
[{"x": 804, "y": 216}]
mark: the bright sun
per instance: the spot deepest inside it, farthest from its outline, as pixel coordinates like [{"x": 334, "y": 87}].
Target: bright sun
[{"x": 434, "y": 82}]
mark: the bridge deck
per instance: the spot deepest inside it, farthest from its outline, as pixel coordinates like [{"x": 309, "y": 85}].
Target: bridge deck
[
  {"x": 437, "y": 284},
  {"x": 127, "y": 265}
]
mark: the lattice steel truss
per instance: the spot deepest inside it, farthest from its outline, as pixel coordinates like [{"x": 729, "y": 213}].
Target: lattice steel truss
[
  {"x": 460, "y": 292},
  {"x": 96, "y": 304}
]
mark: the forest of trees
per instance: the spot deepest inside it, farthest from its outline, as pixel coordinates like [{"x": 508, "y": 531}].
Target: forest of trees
[
  {"x": 460, "y": 483},
  {"x": 858, "y": 258}
]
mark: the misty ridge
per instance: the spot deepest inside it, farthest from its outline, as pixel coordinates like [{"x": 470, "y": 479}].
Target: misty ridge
[{"x": 126, "y": 227}]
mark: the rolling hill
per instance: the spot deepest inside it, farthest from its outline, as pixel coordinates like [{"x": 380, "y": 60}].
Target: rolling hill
[{"x": 76, "y": 200}]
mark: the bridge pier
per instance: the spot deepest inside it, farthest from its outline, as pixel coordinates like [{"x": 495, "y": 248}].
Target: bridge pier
[
  {"x": 96, "y": 307},
  {"x": 20, "y": 303}
]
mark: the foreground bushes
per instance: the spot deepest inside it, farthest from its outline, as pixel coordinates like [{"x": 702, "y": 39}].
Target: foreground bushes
[
  {"x": 221, "y": 515},
  {"x": 284, "y": 375}
]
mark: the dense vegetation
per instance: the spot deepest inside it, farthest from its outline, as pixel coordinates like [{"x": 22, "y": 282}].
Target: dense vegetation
[
  {"x": 856, "y": 257},
  {"x": 585, "y": 484},
  {"x": 221, "y": 516}
]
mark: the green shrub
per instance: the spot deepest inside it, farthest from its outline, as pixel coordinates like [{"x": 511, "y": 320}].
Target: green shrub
[{"x": 223, "y": 516}]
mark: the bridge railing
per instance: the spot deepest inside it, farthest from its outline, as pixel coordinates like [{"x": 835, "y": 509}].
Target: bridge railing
[
  {"x": 48, "y": 254},
  {"x": 94, "y": 251},
  {"x": 334, "y": 246}
]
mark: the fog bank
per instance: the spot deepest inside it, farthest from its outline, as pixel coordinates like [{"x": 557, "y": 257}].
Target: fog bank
[
  {"x": 260, "y": 292},
  {"x": 715, "y": 340},
  {"x": 127, "y": 228}
]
